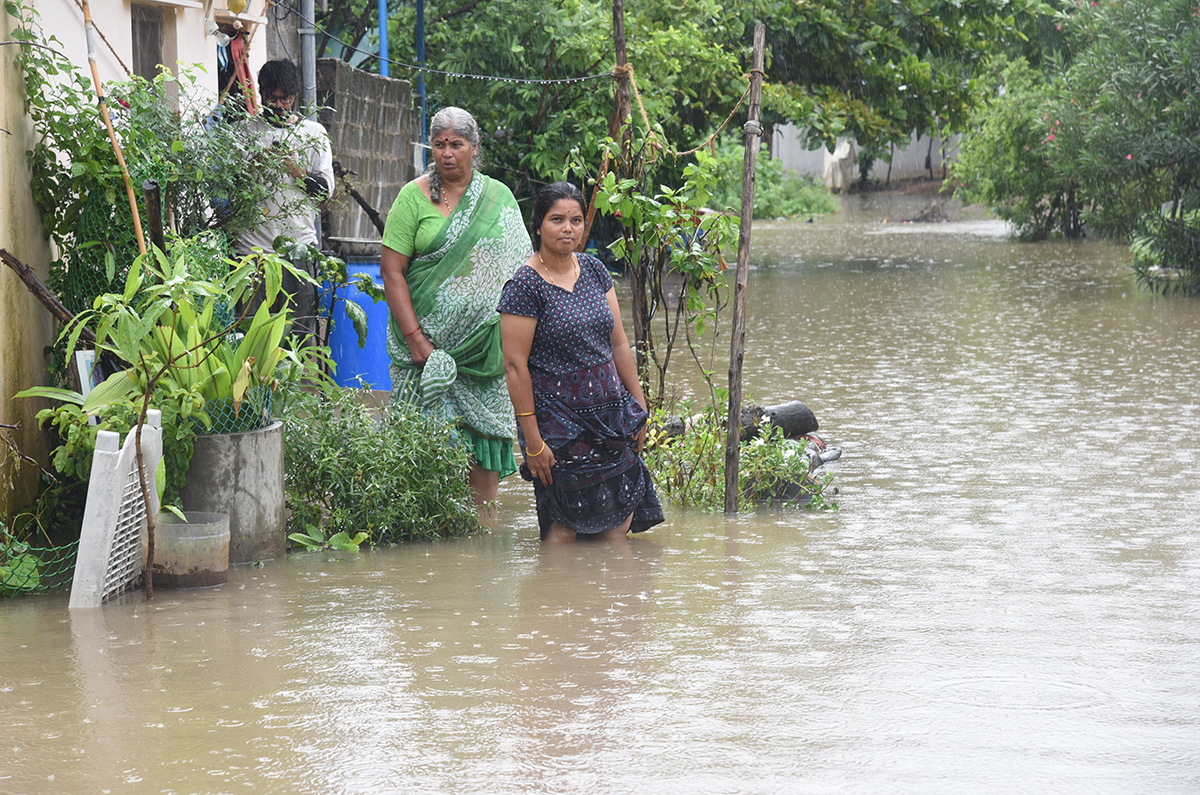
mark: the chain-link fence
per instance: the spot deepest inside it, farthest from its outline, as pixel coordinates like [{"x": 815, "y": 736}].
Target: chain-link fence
[
  {"x": 26, "y": 568},
  {"x": 253, "y": 413}
]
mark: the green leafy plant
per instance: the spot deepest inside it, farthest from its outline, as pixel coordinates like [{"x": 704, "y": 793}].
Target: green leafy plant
[
  {"x": 1011, "y": 161},
  {"x": 393, "y": 474},
  {"x": 56, "y": 513},
  {"x": 332, "y": 274},
  {"x": 20, "y": 569},
  {"x": 179, "y": 359},
  {"x": 1100, "y": 136},
  {"x": 314, "y": 539},
  {"x": 671, "y": 245},
  {"x": 687, "y": 462},
  {"x": 1165, "y": 252},
  {"x": 776, "y": 194}
]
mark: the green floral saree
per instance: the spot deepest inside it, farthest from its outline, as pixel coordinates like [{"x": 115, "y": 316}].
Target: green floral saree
[{"x": 455, "y": 285}]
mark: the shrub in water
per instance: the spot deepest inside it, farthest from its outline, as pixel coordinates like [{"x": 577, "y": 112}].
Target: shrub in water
[
  {"x": 689, "y": 467},
  {"x": 396, "y": 475}
]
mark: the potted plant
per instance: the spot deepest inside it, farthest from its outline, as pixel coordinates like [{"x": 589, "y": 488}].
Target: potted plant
[{"x": 190, "y": 353}]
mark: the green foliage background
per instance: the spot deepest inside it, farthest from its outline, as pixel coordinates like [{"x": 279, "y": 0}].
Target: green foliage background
[
  {"x": 872, "y": 70},
  {"x": 1100, "y": 131}
]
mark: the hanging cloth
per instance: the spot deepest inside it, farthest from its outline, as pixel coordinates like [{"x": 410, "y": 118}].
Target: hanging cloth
[{"x": 240, "y": 50}]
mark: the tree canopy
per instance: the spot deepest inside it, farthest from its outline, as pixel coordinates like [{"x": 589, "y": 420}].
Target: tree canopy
[
  {"x": 875, "y": 70},
  {"x": 1103, "y": 136}
]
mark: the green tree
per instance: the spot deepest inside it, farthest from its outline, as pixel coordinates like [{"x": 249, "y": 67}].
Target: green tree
[
  {"x": 878, "y": 71},
  {"x": 688, "y": 70},
  {"x": 1011, "y": 162},
  {"x": 1130, "y": 117},
  {"x": 874, "y": 70},
  {"x": 1108, "y": 136}
]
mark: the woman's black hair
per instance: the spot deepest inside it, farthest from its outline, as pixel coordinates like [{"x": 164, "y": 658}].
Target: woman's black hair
[{"x": 546, "y": 198}]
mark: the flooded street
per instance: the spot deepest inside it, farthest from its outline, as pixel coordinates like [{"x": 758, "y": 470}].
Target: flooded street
[{"x": 1006, "y": 601}]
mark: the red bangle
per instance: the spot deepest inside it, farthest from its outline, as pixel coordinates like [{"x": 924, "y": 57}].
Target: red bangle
[{"x": 414, "y": 331}]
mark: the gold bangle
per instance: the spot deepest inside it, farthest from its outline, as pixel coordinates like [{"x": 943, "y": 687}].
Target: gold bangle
[
  {"x": 524, "y": 413},
  {"x": 539, "y": 452}
]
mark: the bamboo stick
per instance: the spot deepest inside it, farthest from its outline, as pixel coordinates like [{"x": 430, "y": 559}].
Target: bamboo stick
[{"x": 112, "y": 135}]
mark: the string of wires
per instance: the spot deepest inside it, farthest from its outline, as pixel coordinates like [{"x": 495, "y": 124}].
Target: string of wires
[{"x": 442, "y": 72}]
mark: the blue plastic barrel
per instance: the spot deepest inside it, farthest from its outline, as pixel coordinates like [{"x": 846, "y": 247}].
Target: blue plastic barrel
[{"x": 369, "y": 363}]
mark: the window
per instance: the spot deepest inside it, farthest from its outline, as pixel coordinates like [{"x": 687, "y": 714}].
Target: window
[{"x": 147, "y": 40}]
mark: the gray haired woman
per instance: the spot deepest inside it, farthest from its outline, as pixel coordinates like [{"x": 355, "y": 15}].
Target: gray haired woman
[{"x": 453, "y": 238}]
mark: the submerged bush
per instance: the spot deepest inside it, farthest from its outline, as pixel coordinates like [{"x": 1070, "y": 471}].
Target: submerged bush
[
  {"x": 689, "y": 467},
  {"x": 394, "y": 474}
]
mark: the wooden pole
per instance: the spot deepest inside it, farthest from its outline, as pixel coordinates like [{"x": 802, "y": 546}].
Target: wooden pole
[
  {"x": 112, "y": 135},
  {"x": 152, "y": 196},
  {"x": 738, "y": 343},
  {"x": 622, "y": 105}
]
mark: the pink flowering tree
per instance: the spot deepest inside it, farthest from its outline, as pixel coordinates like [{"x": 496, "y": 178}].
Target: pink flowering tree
[
  {"x": 1012, "y": 160},
  {"x": 1103, "y": 138}
]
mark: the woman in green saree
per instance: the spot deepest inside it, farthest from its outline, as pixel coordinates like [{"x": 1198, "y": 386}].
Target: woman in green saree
[{"x": 453, "y": 238}]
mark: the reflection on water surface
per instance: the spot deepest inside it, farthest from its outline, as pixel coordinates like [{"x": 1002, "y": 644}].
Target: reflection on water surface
[{"x": 1006, "y": 600}]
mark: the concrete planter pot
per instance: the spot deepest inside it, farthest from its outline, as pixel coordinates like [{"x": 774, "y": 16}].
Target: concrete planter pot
[{"x": 241, "y": 474}]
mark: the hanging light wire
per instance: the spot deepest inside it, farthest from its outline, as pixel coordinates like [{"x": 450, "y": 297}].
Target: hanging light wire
[{"x": 442, "y": 72}]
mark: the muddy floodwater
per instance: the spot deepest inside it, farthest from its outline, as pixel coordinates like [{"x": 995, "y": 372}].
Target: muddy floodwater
[{"x": 1007, "y": 600}]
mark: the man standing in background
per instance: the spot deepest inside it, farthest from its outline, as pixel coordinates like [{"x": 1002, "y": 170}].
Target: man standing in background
[{"x": 304, "y": 146}]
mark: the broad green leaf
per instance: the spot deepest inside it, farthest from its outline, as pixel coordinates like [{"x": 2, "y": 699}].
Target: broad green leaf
[
  {"x": 133, "y": 281},
  {"x": 76, "y": 328},
  {"x": 358, "y": 318},
  {"x": 272, "y": 279},
  {"x": 341, "y": 542},
  {"x": 52, "y": 393},
  {"x": 365, "y": 284},
  {"x": 304, "y": 541},
  {"x": 274, "y": 336},
  {"x": 160, "y": 478},
  {"x": 118, "y": 386}
]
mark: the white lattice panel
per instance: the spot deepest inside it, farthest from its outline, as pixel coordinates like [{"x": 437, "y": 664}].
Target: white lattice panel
[{"x": 112, "y": 544}]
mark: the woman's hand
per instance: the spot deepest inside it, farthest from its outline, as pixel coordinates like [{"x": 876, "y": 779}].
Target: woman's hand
[
  {"x": 627, "y": 367},
  {"x": 540, "y": 464},
  {"x": 419, "y": 347},
  {"x": 392, "y": 267}
]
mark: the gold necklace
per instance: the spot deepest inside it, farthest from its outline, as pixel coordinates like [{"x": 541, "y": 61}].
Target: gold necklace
[{"x": 550, "y": 276}]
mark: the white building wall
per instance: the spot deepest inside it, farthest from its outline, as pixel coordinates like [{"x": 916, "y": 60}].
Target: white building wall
[
  {"x": 907, "y": 163},
  {"x": 185, "y": 38},
  {"x": 26, "y": 327}
]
